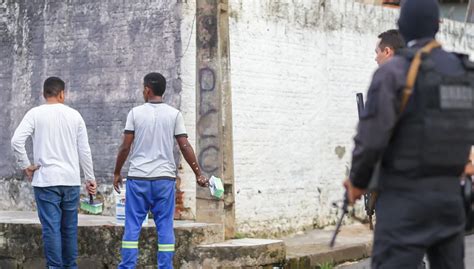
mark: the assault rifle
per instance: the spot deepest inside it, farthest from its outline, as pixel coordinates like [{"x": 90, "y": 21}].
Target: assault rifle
[
  {"x": 345, "y": 211},
  {"x": 345, "y": 205},
  {"x": 369, "y": 197}
]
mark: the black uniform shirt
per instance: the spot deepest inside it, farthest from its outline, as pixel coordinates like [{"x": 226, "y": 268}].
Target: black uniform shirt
[{"x": 382, "y": 108}]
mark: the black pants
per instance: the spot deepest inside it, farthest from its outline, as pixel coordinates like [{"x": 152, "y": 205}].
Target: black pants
[{"x": 412, "y": 223}]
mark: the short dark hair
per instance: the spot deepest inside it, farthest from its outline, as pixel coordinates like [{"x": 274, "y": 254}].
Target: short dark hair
[
  {"x": 392, "y": 39},
  {"x": 156, "y": 82},
  {"x": 52, "y": 87}
]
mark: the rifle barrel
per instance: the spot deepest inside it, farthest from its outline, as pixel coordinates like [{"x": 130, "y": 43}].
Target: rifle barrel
[
  {"x": 345, "y": 204},
  {"x": 338, "y": 227}
]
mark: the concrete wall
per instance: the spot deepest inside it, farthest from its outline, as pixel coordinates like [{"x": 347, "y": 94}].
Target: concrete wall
[
  {"x": 296, "y": 66},
  {"x": 188, "y": 101},
  {"x": 102, "y": 49}
]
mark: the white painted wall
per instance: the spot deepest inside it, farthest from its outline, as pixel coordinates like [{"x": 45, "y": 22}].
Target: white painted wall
[
  {"x": 296, "y": 66},
  {"x": 188, "y": 100}
]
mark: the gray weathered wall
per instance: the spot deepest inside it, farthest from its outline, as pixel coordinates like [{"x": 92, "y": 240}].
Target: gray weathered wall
[{"x": 102, "y": 49}]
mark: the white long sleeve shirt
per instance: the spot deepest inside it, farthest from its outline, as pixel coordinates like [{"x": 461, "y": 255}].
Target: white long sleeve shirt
[{"x": 60, "y": 145}]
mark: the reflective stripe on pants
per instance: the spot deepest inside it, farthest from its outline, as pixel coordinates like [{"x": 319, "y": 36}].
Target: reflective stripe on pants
[{"x": 158, "y": 196}]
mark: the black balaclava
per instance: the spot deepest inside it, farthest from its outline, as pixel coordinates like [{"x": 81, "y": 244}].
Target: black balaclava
[{"x": 418, "y": 19}]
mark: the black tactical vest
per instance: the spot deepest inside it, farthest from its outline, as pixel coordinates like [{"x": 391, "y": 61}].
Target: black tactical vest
[{"x": 434, "y": 134}]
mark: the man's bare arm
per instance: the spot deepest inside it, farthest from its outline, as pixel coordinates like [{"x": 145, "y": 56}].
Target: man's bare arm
[
  {"x": 122, "y": 155},
  {"x": 188, "y": 154},
  {"x": 190, "y": 157}
]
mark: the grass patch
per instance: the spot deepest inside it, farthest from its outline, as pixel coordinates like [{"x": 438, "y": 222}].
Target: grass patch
[
  {"x": 326, "y": 265},
  {"x": 241, "y": 235}
]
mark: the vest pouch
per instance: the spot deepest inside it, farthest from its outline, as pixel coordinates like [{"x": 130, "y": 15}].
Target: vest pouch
[{"x": 447, "y": 140}]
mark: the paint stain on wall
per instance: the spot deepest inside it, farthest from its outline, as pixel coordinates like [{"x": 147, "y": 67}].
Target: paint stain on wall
[{"x": 340, "y": 151}]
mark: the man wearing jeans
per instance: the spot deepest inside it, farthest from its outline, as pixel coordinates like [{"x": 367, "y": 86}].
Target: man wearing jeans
[
  {"x": 152, "y": 129},
  {"x": 60, "y": 145}
]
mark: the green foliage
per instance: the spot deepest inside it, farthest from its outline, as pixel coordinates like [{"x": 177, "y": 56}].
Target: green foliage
[
  {"x": 240, "y": 235},
  {"x": 326, "y": 265}
]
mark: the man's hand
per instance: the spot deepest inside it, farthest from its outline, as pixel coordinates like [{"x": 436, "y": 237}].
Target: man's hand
[
  {"x": 91, "y": 186},
  {"x": 30, "y": 170},
  {"x": 118, "y": 182},
  {"x": 469, "y": 169},
  {"x": 202, "y": 181},
  {"x": 121, "y": 157},
  {"x": 353, "y": 193}
]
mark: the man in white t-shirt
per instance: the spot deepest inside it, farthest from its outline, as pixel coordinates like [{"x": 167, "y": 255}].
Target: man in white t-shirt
[
  {"x": 150, "y": 133},
  {"x": 60, "y": 146}
]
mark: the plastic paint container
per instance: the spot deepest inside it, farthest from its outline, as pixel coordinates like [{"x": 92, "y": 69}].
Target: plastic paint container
[{"x": 120, "y": 206}]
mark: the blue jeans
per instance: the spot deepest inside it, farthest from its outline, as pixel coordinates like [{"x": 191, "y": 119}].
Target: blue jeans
[
  {"x": 57, "y": 211},
  {"x": 158, "y": 197}
]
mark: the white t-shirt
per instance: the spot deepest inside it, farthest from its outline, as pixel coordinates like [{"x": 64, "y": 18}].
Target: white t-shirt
[
  {"x": 155, "y": 126},
  {"x": 60, "y": 145}
]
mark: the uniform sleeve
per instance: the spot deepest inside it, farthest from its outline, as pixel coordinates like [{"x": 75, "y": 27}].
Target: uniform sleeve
[
  {"x": 22, "y": 132},
  {"x": 375, "y": 126},
  {"x": 85, "y": 156},
  {"x": 179, "y": 128},
  {"x": 129, "y": 125}
]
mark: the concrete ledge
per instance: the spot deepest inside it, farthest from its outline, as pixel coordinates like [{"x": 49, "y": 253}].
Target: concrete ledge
[
  {"x": 242, "y": 253},
  {"x": 311, "y": 249},
  {"x": 198, "y": 245},
  {"x": 99, "y": 241},
  {"x": 314, "y": 257}
]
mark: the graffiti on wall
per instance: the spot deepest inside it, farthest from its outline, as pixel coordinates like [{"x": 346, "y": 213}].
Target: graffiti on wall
[{"x": 208, "y": 122}]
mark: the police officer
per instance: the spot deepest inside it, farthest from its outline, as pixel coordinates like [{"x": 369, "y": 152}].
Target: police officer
[
  {"x": 388, "y": 43},
  {"x": 421, "y": 134}
]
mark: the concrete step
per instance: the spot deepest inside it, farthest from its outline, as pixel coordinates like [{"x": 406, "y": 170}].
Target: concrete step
[
  {"x": 311, "y": 249},
  {"x": 240, "y": 253},
  {"x": 99, "y": 241}
]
